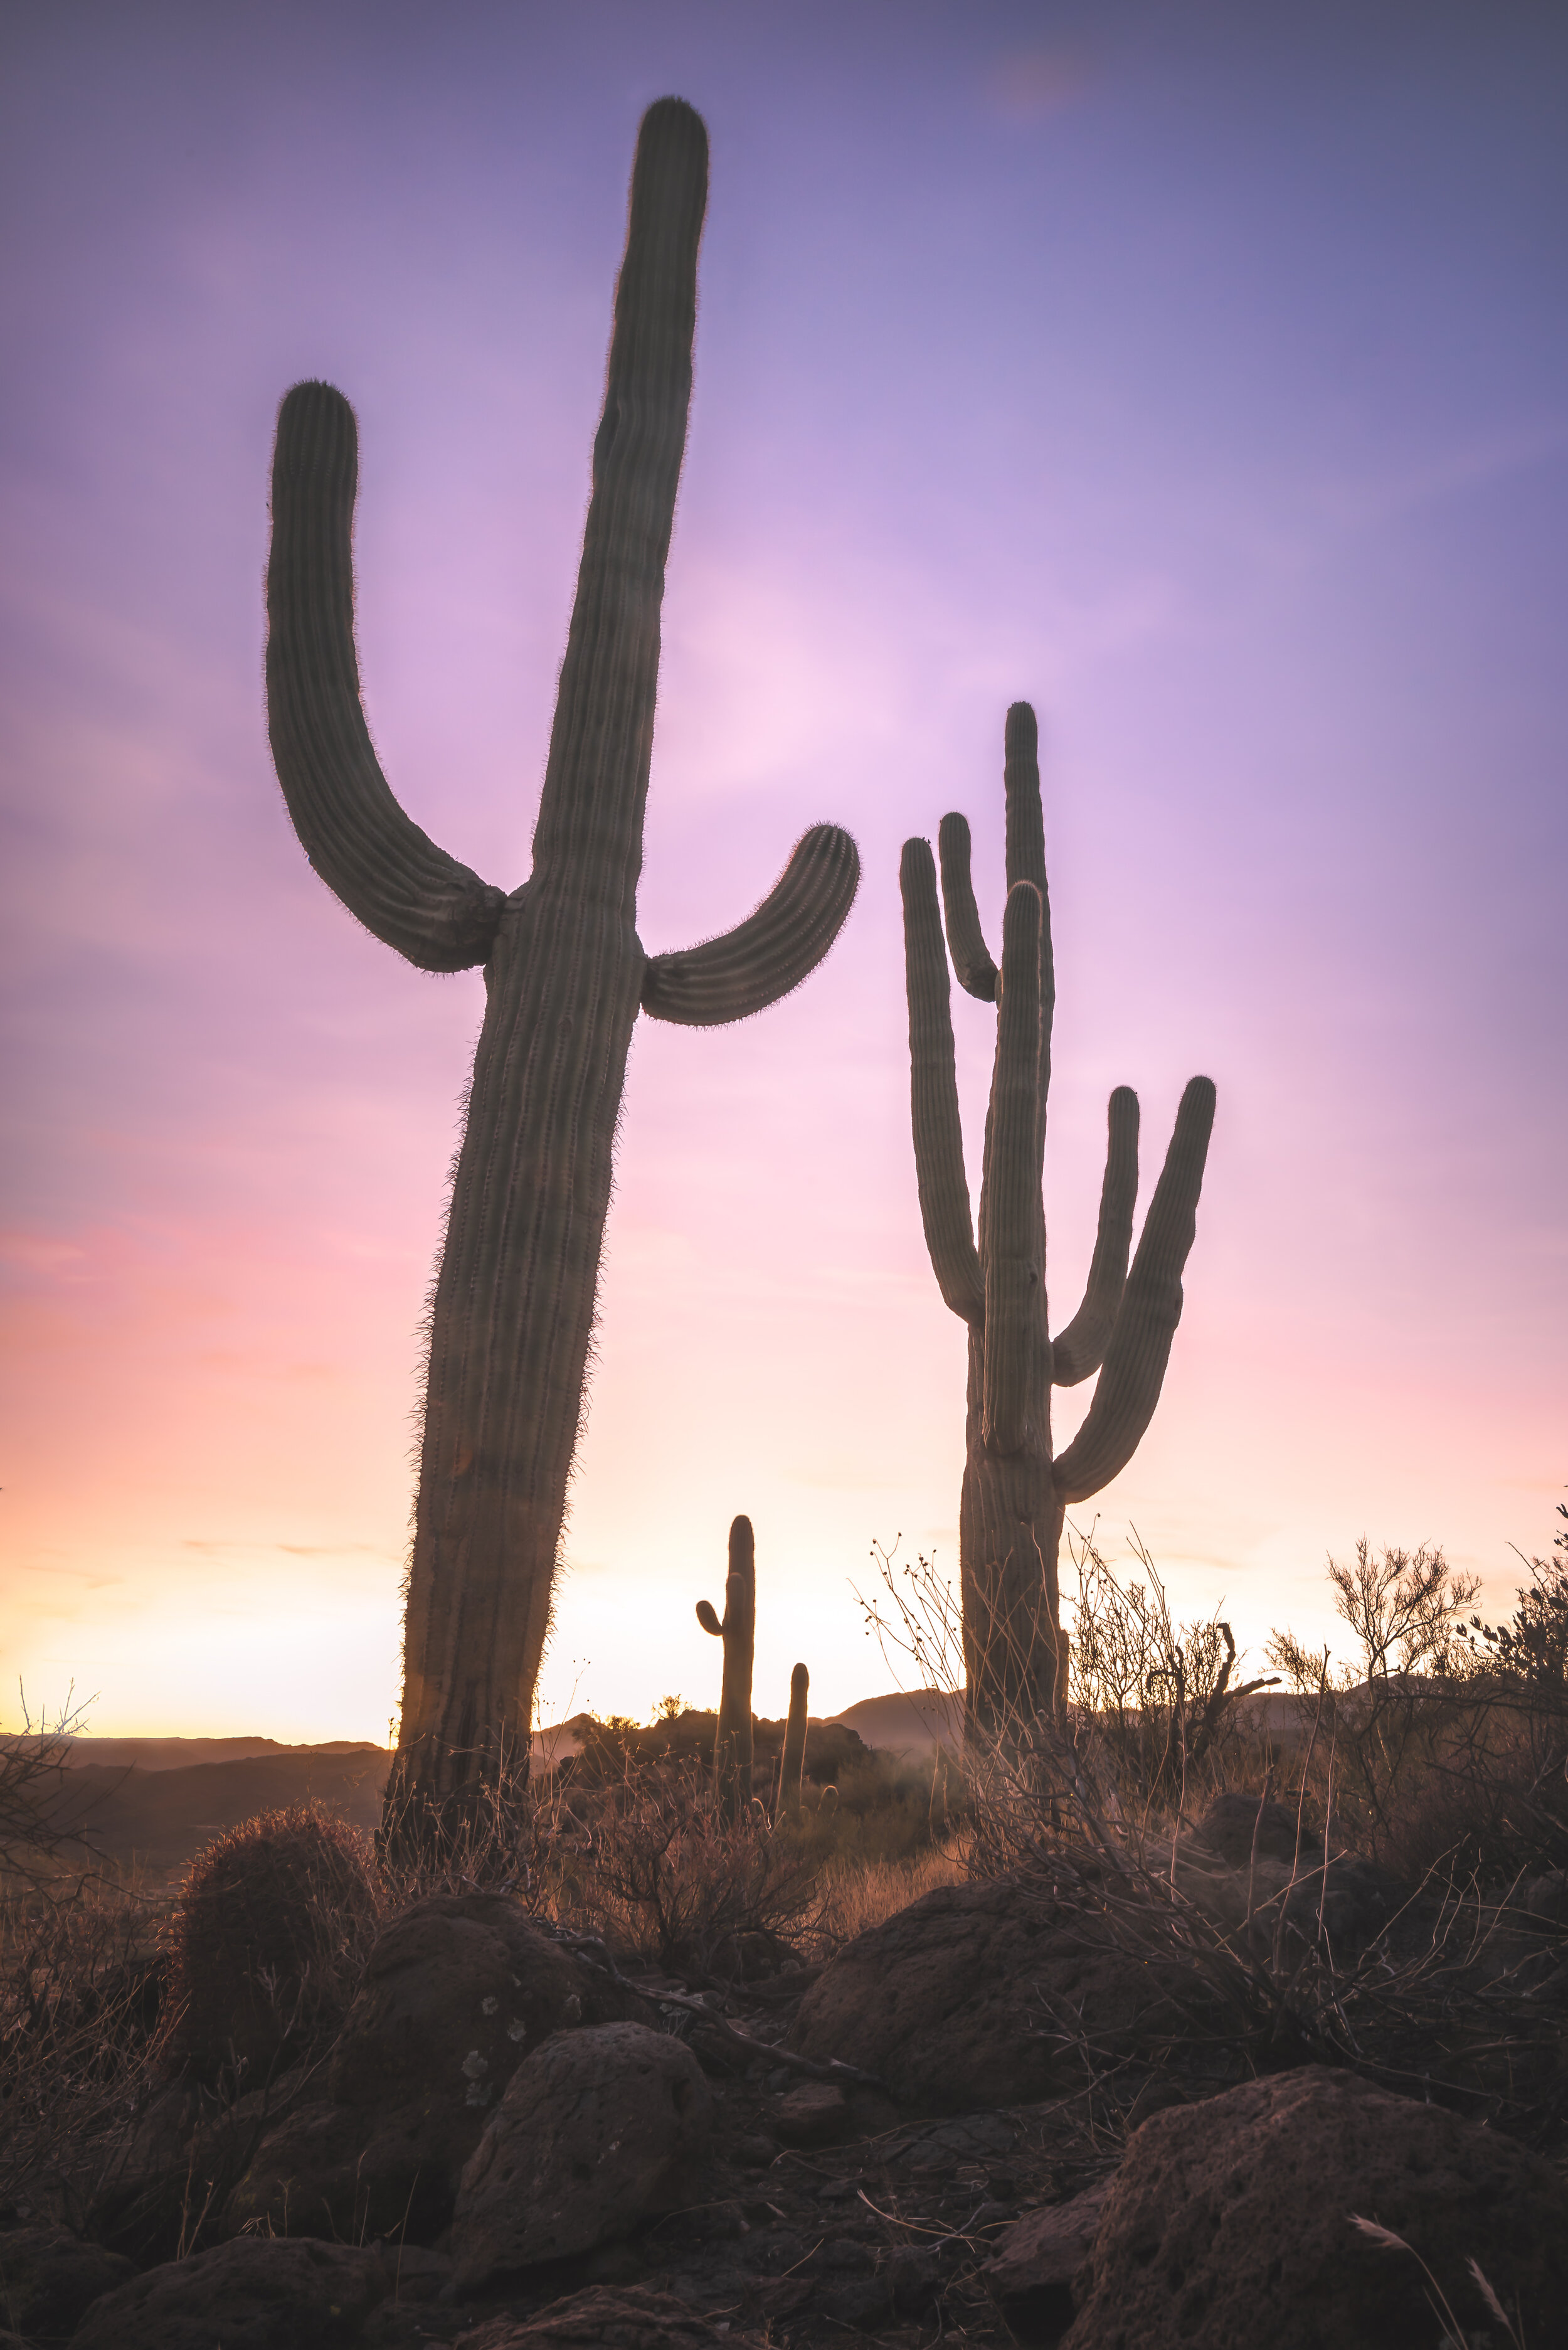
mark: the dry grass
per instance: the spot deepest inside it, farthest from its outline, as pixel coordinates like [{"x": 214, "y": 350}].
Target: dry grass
[{"x": 855, "y": 1895}]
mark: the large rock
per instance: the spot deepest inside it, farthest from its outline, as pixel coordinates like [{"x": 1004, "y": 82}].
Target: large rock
[
  {"x": 1229, "y": 2223},
  {"x": 598, "y": 2130},
  {"x": 143, "y": 2192},
  {"x": 1283, "y": 1874},
  {"x": 1031, "y": 2272},
  {"x": 48, "y": 2277},
  {"x": 974, "y": 1996},
  {"x": 255, "y": 2295},
  {"x": 341, "y": 2172},
  {"x": 635, "y": 2317},
  {"x": 457, "y": 1991}
]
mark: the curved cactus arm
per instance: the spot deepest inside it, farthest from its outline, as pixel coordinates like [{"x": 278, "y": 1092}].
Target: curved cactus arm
[
  {"x": 966, "y": 940},
  {"x": 772, "y": 950},
  {"x": 412, "y": 894},
  {"x": 1015, "y": 1224},
  {"x": 707, "y": 1616},
  {"x": 933, "y": 1092},
  {"x": 1150, "y": 1309},
  {"x": 1080, "y": 1348}
]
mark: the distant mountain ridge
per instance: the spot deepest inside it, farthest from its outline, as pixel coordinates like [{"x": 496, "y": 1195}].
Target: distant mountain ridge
[{"x": 181, "y": 1754}]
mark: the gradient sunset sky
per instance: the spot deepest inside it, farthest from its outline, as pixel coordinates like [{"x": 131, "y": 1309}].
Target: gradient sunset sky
[{"x": 1197, "y": 372}]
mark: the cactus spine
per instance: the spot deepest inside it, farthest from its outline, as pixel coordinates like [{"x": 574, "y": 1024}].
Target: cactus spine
[
  {"x": 565, "y": 975},
  {"x": 1014, "y": 1493},
  {"x": 738, "y": 1631},
  {"x": 791, "y": 1765}
]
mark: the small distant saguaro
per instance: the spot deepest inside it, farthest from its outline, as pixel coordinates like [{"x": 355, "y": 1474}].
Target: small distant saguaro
[
  {"x": 1014, "y": 1493},
  {"x": 732, "y": 1742},
  {"x": 565, "y": 976}
]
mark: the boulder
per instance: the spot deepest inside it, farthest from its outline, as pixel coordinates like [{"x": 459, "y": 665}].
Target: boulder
[
  {"x": 1230, "y": 2223},
  {"x": 634, "y": 2317},
  {"x": 1031, "y": 2273},
  {"x": 974, "y": 1998},
  {"x": 456, "y": 1992},
  {"x": 1229, "y": 1825},
  {"x": 598, "y": 2130},
  {"x": 49, "y": 2277},
  {"x": 337, "y": 2171},
  {"x": 145, "y": 2185},
  {"x": 257, "y": 2293}
]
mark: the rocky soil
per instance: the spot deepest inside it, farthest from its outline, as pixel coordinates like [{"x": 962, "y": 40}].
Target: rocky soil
[{"x": 974, "y": 2124}]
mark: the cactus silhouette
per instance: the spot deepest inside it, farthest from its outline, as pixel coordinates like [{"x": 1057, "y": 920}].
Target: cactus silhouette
[
  {"x": 566, "y": 975},
  {"x": 792, "y": 1765},
  {"x": 1014, "y": 1493},
  {"x": 732, "y": 1740}
]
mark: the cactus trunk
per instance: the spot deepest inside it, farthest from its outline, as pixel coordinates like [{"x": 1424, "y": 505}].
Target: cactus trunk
[
  {"x": 993, "y": 1275},
  {"x": 792, "y": 1765},
  {"x": 1010, "y": 1537},
  {"x": 565, "y": 975}
]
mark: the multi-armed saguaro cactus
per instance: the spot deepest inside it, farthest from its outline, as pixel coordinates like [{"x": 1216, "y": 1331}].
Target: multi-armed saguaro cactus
[
  {"x": 566, "y": 975},
  {"x": 792, "y": 1765},
  {"x": 1014, "y": 1494},
  {"x": 738, "y": 1631}
]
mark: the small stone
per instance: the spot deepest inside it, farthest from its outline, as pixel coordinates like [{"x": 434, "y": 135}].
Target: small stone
[{"x": 812, "y": 2115}]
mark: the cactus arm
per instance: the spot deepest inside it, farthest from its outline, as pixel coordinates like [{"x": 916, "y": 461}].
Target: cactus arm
[
  {"x": 709, "y": 1620},
  {"x": 933, "y": 1093},
  {"x": 1080, "y": 1348},
  {"x": 1025, "y": 818},
  {"x": 966, "y": 940},
  {"x": 772, "y": 950},
  {"x": 1014, "y": 1251},
  {"x": 389, "y": 873},
  {"x": 1150, "y": 1309}
]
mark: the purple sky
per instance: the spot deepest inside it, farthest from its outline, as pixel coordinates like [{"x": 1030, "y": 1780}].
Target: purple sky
[{"x": 1197, "y": 373}]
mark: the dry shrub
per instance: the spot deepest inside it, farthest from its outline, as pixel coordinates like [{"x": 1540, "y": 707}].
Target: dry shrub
[
  {"x": 83, "y": 2029},
  {"x": 660, "y": 1873},
  {"x": 267, "y": 1941}
]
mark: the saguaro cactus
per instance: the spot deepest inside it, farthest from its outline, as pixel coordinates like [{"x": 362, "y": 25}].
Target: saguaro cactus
[
  {"x": 738, "y": 1631},
  {"x": 792, "y": 1763},
  {"x": 565, "y": 975},
  {"x": 1014, "y": 1493}
]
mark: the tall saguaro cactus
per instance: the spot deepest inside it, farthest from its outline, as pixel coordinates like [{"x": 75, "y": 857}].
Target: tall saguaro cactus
[
  {"x": 565, "y": 975},
  {"x": 994, "y": 1276},
  {"x": 732, "y": 1742}
]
